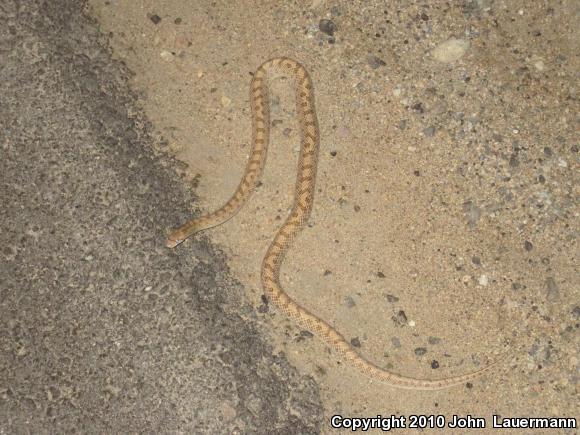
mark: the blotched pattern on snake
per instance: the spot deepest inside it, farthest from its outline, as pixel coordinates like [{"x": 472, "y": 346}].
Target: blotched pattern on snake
[{"x": 301, "y": 209}]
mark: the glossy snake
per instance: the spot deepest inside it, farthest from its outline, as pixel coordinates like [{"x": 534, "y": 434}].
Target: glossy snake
[{"x": 301, "y": 209}]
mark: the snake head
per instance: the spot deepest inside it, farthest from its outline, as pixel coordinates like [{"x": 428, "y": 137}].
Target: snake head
[
  {"x": 172, "y": 242},
  {"x": 182, "y": 233}
]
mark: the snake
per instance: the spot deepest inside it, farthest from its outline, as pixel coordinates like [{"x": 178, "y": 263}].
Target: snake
[{"x": 297, "y": 219}]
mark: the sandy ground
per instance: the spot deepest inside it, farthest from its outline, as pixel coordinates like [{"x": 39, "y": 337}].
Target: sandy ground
[{"x": 445, "y": 223}]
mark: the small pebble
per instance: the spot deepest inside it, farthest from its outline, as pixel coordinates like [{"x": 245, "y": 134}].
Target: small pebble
[
  {"x": 562, "y": 163},
  {"x": 451, "y": 50},
  {"x": 392, "y": 299},
  {"x": 113, "y": 390},
  {"x": 420, "y": 351},
  {"x": 434, "y": 364},
  {"x": 264, "y": 307},
  {"x": 228, "y": 411},
  {"x": 355, "y": 342},
  {"x": 433, "y": 340},
  {"x": 167, "y": 56},
  {"x": 225, "y": 101},
  {"x": 418, "y": 107},
  {"x": 375, "y": 62},
  {"x": 528, "y": 246},
  {"x": 483, "y": 280},
  {"x": 473, "y": 213},
  {"x": 156, "y": 19},
  {"x": 400, "y": 318},
  {"x": 327, "y": 26},
  {"x": 349, "y": 302},
  {"x": 429, "y": 131},
  {"x": 552, "y": 289}
]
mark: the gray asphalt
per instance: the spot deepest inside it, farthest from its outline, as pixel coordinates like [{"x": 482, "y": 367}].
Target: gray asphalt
[{"x": 102, "y": 329}]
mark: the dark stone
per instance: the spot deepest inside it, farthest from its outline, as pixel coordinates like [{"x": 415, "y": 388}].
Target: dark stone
[
  {"x": 375, "y": 62},
  {"x": 327, "y": 26}
]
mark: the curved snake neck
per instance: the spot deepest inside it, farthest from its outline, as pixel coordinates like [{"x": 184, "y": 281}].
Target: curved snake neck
[{"x": 301, "y": 209}]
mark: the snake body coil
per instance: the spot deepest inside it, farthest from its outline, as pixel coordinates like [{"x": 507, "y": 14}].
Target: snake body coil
[{"x": 301, "y": 209}]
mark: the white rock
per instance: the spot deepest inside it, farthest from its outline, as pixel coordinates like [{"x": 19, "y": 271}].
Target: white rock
[
  {"x": 562, "y": 163},
  {"x": 450, "y": 50},
  {"x": 226, "y": 101},
  {"x": 167, "y": 56},
  {"x": 483, "y": 280}
]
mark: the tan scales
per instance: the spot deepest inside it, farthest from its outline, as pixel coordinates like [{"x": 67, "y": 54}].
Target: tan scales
[{"x": 301, "y": 209}]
